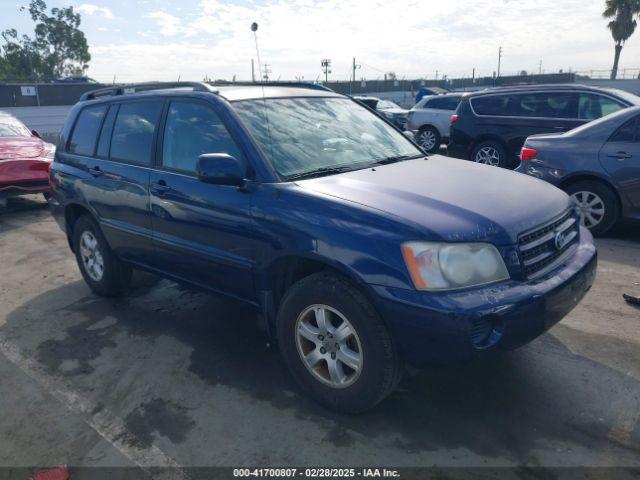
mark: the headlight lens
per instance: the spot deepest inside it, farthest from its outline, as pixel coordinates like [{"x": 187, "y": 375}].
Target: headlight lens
[
  {"x": 51, "y": 153},
  {"x": 447, "y": 266}
]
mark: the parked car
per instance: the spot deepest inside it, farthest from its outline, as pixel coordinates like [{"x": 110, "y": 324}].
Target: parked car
[
  {"x": 361, "y": 253},
  {"x": 24, "y": 159},
  {"x": 75, "y": 79},
  {"x": 598, "y": 164},
  {"x": 490, "y": 126},
  {"x": 390, "y": 110},
  {"x": 430, "y": 118}
]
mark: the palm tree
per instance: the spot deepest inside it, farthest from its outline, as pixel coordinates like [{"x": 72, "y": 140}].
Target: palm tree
[{"x": 622, "y": 26}]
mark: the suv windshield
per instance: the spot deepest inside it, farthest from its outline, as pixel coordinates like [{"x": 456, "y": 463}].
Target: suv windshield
[{"x": 321, "y": 135}]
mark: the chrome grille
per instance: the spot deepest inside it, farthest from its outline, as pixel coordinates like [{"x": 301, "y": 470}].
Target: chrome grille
[{"x": 547, "y": 246}]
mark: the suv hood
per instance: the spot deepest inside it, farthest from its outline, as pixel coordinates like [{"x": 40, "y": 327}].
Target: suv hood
[
  {"x": 454, "y": 200},
  {"x": 21, "y": 147}
]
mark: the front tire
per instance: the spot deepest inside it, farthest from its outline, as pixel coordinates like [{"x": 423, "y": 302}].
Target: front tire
[
  {"x": 597, "y": 205},
  {"x": 103, "y": 271},
  {"x": 490, "y": 153},
  {"x": 335, "y": 344},
  {"x": 429, "y": 139}
]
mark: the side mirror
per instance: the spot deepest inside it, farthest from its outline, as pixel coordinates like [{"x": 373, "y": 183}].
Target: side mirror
[
  {"x": 220, "y": 169},
  {"x": 409, "y": 134},
  {"x": 35, "y": 133}
]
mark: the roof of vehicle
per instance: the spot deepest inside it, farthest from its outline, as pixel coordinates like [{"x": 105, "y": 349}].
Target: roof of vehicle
[
  {"x": 365, "y": 97},
  {"x": 539, "y": 87},
  {"x": 231, "y": 92}
]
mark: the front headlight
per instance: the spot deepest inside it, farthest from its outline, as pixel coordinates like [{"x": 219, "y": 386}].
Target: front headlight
[
  {"x": 447, "y": 266},
  {"x": 51, "y": 153}
]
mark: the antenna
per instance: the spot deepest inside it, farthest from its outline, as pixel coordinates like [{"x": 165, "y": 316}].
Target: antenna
[{"x": 254, "y": 29}]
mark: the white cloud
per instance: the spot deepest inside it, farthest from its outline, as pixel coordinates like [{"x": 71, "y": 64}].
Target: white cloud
[
  {"x": 170, "y": 25},
  {"x": 90, "y": 9},
  {"x": 413, "y": 38}
]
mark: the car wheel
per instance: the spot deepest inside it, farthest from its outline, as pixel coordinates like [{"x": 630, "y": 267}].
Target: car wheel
[
  {"x": 103, "y": 271},
  {"x": 597, "y": 205},
  {"x": 429, "y": 139},
  {"x": 490, "y": 153},
  {"x": 335, "y": 344}
]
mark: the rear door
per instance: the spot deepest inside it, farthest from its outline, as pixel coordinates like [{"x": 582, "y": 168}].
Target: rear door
[
  {"x": 117, "y": 171},
  {"x": 620, "y": 157},
  {"x": 202, "y": 232}
]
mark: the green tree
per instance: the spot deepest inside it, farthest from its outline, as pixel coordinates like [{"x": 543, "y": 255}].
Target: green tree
[
  {"x": 58, "y": 47},
  {"x": 622, "y": 25}
]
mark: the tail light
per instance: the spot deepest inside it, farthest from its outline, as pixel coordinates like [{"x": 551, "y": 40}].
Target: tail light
[
  {"x": 454, "y": 119},
  {"x": 528, "y": 153}
]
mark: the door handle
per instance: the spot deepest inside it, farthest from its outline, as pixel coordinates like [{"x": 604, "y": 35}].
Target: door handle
[
  {"x": 620, "y": 155},
  {"x": 160, "y": 187},
  {"x": 95, "y": 171},
  {"x": 559, "y": 128}
]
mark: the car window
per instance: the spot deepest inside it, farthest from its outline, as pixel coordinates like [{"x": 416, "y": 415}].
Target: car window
[
  {"x": 592, "y": 106},
  {"x": 386, "y": 105},
  {"x": 12, "y": 127},
  {"x": 105, "y": 136},
  {"x": 627, "y": 132},
  {"x": 490, "y": 105},
  {"x": 85, "y": 133},
  {"x": 193, "y": 129},
  {"x": 133, "y": 132},
  {"x": 541, "y": 105}
]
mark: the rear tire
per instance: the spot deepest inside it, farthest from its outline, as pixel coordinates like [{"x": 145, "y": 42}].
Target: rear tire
[
  {"x": 367, "y": 363},
  {"x": 490, "y": 153},
  {"x": 429, "y": 139},
  {"x": 103, "y": 271},
  {"x": 597, "y": 204}
]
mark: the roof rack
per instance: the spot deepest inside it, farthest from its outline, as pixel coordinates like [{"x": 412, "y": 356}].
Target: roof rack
[
  {"x": 312, "y": 86},
  {"x": 144, "y": 87}
]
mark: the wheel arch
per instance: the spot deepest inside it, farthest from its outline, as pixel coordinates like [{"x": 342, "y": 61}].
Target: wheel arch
[
  {"x": 277, "y": 278},
  {"x": 72, "y": 212},
  {"x": 593, "y": 177}
]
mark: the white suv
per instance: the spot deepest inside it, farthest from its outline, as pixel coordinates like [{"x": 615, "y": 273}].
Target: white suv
[{"x": 430, "y": 118}]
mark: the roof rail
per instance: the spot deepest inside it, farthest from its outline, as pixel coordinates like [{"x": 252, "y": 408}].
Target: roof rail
[
  {"x": 310, "y": 85},
  {"x": 143, "y": 87}
]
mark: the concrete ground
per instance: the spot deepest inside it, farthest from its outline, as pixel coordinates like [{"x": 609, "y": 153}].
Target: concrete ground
[{"x": 170, "y": 377}]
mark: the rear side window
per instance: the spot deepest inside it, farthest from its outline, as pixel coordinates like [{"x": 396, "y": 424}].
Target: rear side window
[
  {"x": 490, "y": 105},
  {"x": 627, "y": 132},
  {"x": 444, "y": 103},
  {"x": 542, "y": 105},
  {"x": 133, "y": 132},
  {"x": 85, "y": 133},
  {"x": 193, "y": 129},
  {"x": 592, "y": 106}
]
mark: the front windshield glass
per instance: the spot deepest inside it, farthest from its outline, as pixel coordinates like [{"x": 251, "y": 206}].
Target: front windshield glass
[
  {"x": 10, "y": 127},
  {"x": 303, "y": 135}
]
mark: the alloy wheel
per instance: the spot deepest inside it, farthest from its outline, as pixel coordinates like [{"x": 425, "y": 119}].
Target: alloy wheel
[
  {"x": 488, "y": 156},
  {"x": 590, "y": 208},
  {"x": 329, "y": 346},
  {"x": 427, "y": 139},
  {"x": 91, "y": 256}
]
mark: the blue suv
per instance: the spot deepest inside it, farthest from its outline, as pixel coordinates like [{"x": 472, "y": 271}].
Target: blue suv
[{"x": 361, "y": 253}]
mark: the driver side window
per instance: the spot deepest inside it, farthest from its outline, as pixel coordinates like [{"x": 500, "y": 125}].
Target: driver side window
[{"x": 192, "y": 129}]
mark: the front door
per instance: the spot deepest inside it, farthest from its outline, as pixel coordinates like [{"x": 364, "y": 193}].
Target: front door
[{"x": 202, "y": 232}]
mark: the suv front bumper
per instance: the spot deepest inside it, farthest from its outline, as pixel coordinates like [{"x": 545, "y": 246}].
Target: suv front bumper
[{"x": 448, "y": 327}]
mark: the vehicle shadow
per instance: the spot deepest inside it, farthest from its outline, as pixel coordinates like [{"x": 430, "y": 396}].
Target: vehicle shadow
[{"x": 500, "y": 406}]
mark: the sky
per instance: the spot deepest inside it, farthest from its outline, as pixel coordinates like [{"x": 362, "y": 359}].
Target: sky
[{"x": 140, "y": 40}]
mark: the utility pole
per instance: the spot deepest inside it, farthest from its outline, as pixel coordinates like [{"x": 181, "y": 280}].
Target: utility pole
[
  {"x": 353, "y": 75},
  {"x": 253, "y": 72},
  {"x": 267, "y": 71},
  {"x": 326, "y": 64},
  {"x": 540, "y": 68},
  {"x": 499, "y": 59}
]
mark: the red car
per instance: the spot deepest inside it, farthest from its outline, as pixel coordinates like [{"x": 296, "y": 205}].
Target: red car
[{"x": 24, "y": 159}]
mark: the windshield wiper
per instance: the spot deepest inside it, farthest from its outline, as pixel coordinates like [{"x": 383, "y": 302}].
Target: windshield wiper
[
  {"x": 397, "y": 158},
  {"x": 321, "y": 171}
]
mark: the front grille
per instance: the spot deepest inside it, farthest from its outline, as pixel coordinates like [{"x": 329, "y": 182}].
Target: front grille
[{"x": 545, "y": 247}]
